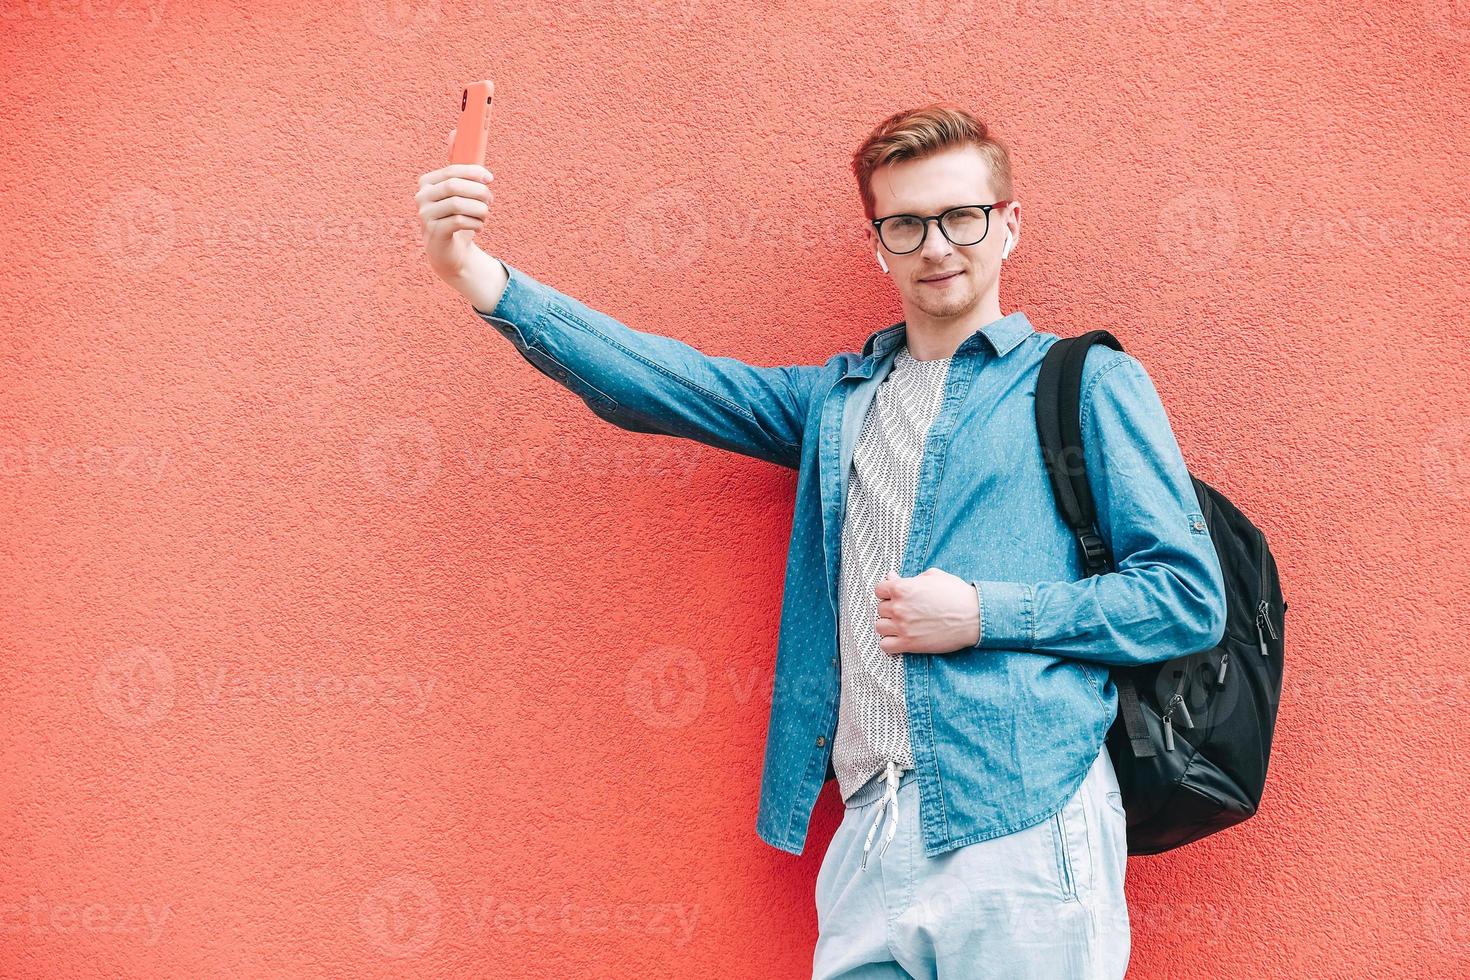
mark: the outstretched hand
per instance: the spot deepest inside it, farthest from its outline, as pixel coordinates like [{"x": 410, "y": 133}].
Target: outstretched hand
[{"x": 453, "y": 206}]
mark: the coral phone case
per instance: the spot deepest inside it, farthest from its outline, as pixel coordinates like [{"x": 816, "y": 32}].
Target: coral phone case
[{"x": 474, "y": 124}]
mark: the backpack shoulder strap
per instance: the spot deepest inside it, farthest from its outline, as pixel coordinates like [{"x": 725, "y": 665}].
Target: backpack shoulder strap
[{"x": 1059, "y": 425}]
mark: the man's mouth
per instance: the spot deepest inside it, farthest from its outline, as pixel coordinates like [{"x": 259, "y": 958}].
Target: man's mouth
[{"x": 943, "y": 276}]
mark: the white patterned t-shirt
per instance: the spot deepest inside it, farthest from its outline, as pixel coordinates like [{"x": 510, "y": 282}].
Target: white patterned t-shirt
[{"x": 872, "y": 717}]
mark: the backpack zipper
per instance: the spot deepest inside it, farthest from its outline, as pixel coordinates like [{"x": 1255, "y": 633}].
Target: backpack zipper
[
  {"x": 1263, "y": 608},
  {"x": 1262, "y": 617},
  {"x": 1176, "y": 701}
]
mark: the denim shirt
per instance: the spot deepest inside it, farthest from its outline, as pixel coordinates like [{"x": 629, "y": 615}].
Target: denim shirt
[{"x": 1003, "y": 732}]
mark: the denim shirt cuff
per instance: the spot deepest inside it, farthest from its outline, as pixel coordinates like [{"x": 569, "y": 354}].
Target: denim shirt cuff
[
  {"x": 522, "y": 303},
  {"x": 1007, "y": 615}
]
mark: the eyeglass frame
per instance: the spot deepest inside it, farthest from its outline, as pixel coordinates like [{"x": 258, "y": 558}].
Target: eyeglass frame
[{"x": 938, "y": 219}]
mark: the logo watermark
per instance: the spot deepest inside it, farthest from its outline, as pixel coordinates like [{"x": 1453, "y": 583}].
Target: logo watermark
[
  {"x": 135, "y": 687},
  {"x": 143, "y": 464},
  {"x": 137, "y": 229},
  {"x": 139, "y": 686},
  {"x": 1447, "y": 459},
  {"x": 38, "y": 914},
  {"x": 148, "y": 12},
  {"x": 405, "y": 916},
  {"x": 404, "y": 458}
]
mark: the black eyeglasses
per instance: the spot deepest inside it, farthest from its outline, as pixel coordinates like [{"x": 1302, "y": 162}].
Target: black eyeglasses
[{"x": 967, "y": 224}]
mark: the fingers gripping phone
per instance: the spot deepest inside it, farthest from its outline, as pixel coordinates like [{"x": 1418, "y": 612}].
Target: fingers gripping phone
[{"x": 474, "y": 124}]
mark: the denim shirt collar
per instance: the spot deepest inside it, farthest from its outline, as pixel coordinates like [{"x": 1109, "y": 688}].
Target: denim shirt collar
[{"x": 1003, "y": 334}]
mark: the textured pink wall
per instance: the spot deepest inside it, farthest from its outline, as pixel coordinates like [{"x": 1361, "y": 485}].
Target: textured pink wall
[{"x": 340, "y": 642}]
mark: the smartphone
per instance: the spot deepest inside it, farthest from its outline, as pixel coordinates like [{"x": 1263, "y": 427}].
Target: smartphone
[{"x": 474, "y": 123}]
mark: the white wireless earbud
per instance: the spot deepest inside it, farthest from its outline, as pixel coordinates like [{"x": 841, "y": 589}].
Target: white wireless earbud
[
  {"x": 881, "y": 264},
  {"x": 1005, "y": 251}
]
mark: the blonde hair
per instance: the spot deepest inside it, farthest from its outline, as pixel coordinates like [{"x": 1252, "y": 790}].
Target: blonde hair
[{"x": 917, "y": 133}]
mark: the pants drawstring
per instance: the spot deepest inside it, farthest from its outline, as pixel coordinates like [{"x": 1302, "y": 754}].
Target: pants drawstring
[{"x": 890, "y": 798}]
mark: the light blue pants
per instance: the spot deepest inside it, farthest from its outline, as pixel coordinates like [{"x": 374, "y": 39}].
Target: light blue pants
[{"x": 1046, "y": 901}]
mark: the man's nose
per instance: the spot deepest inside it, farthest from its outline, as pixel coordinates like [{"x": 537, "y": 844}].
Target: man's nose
[{"x": 936, "y": 246}]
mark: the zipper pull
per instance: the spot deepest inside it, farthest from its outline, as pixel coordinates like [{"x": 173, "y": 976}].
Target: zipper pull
[
  {"x": 1224, "y": 662},
  {"x": 1168, "y": 733},
  {"x": 1185, "y": 721},
  {"x": 1263, "y": 619},
  {"x": 1176, "y": 700}
]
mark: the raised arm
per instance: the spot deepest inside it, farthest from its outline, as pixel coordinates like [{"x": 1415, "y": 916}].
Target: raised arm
[
  {"x": 639, "y": 381},
  {"x": 645, "y": 382},
  {"x": 1167, "y": 597}
]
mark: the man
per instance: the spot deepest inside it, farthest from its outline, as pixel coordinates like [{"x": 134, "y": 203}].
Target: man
[{"x": 941, "y": 655}]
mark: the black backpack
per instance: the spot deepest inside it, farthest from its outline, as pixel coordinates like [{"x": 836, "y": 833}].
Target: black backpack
[{"x": 1192, "y": 737}]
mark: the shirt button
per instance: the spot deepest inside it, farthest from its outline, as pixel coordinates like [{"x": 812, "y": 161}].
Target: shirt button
[{"x": 821, "y": 740}]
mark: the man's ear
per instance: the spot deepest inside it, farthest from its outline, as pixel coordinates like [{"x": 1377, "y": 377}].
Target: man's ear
[
  {"x": 870, "y": 237},
  {"x": 1016, "y": 213}
]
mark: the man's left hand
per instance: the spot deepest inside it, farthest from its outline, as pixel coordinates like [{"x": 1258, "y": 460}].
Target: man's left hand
[{"x": 932, "y": 612}]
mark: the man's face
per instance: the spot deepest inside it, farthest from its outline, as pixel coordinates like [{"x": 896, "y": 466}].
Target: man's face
[{"x": 927, "y": 187}]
